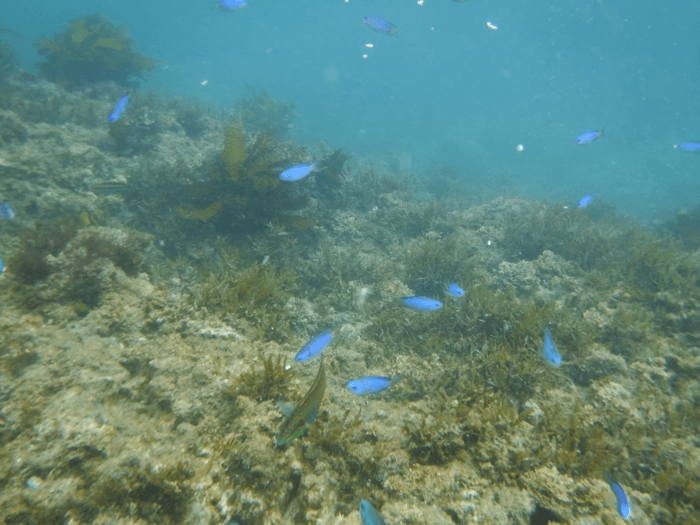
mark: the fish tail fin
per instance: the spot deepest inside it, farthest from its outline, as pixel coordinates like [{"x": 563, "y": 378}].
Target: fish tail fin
[{"x": 394, "y": 380}]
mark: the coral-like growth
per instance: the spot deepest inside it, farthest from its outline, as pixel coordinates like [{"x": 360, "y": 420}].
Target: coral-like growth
[
  {"x": 92, "y": 50},
  {"x": 260, "y": 112},
  {"x": 258, "y": 293},
  {"x": 31, "y": 264},
  {"x": 271, "y": 383}
]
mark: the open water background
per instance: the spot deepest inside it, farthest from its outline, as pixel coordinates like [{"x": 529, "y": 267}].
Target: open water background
[{"x": 448, "y": 91}]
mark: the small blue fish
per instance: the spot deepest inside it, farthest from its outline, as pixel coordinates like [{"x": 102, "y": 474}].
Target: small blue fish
[
  {"x": 371, "y": 384},
  {"x": 424, "y": 304},
  {"x": 585, "y": 201},
  {"x": 381, "y": 25},
  {"x": 299, "y": 171},
  {"x": 119, "y": 108},
  {"x": 589, "y": 137},
  {"x": 550, "y": 350},
  {"x": 623, "y": 504},
  {"x": 454, "y": 290},
  {"x": 6, "y": 212},
  {"x": 315, "y": 346},
  {"x": 2, "y": 268},
  {"x": 231, "y": 5},
  {"x": 693, "y": 147},
  {"x": 368, "y": 515}
]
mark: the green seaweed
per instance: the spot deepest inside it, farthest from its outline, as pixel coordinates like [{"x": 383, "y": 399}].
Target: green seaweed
[{"x": 258, "y": 293}]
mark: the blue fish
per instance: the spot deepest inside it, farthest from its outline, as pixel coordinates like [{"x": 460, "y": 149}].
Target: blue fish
[
  {"x": 371, "y": 384},
  {"x": 231, "y": 5},
  {"x": 6, "y": 212},
  {"x": 623, "y": 504},
  {"x": 693, "y": 147},
  {"x": 381, "y": 25},
  {"x": 454, "y": 290},
  {"x": 299, "y": 171},
  {"x": 315, "y": 346},
  {"x": 589, "y": 137},
  {"x": 2, "y": 268},
  {"x": 119, "y": 108},
  {"x": 424, "y": 304},
  {"x": 585, "y": 201},
  {"x": 550, "y": 350},
  {"x": 368, "y": 515}
]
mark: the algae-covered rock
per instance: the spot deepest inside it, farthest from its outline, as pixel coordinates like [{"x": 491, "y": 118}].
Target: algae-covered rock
[{"x": 92, "y": 50}]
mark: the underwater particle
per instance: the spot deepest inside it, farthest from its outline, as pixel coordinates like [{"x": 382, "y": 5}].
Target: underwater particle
[
  {"x": 365, "y": 56},
  {"x": 549, "y": 349},
  {"x": 520, "y": 148},
  {"x": 119, "y": 108},
  {"x": 299, "y": 171},
  {"x": 623, "y": 504},
  {"x": 424, "y": 304},
  {"x": 302, "y": 416},
  {"x": 204, "y": 82},
  {"x": 454, "y": 290},
  {"x": 6, "y": 212},
  {"x": 381, "y": 25},
  {"x": 314, "y": 346},
  {"x": 369, "y": 45},
  {"x": 693, "y": 147},
  {"x": 231, "y": 5},
  {"x": 588, "y": 137},
  {"x": 368, "y": 515},
  {"x": 492, "y": 26},
  {"x": 585, "y": 201},
  {"x": 367, "y": 385},
  {"x": 420, "y": 2},
  {"x": 488, "y": 243}
]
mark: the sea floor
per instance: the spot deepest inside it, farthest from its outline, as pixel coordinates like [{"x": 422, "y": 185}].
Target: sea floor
[{"x": 147, "y": 339}]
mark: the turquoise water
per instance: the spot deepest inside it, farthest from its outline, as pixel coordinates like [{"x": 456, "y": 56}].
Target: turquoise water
[{"x": 448, "y": 90}]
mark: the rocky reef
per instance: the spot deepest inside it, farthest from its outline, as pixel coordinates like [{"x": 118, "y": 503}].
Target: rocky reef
[{"x": 147, "y": 339}]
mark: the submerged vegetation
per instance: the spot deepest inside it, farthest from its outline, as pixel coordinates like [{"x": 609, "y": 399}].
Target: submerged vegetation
[
  {"x": 92, "y": 50},
  {"x": 174, "y": 333}
]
